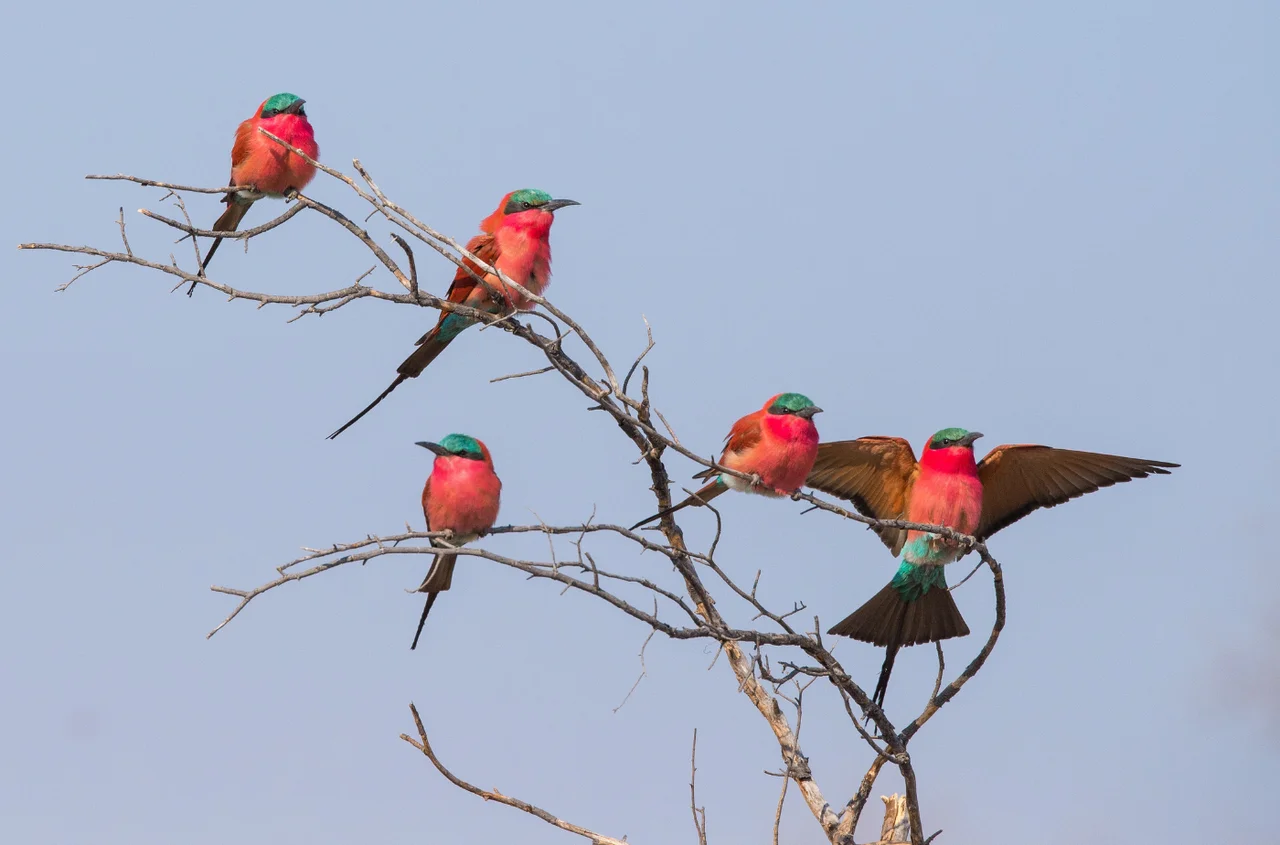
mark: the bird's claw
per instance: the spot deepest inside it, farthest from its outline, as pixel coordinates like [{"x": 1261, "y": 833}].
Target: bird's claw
[{"x": 939, "y": 543}]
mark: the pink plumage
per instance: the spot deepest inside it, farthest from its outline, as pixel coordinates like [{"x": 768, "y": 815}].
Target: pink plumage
[
  {"x": 263, "y": 165},
  {"x": 461, "y": 495},
  {"x": 947, "y": 491},
  {"x": 777, "y": 443},
  {"x": 259, "y": 161},
  {"x": 782, "y": 453}
]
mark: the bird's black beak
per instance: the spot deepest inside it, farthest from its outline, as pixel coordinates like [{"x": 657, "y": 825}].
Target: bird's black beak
[
  {"x": 808, "y": 413},
  {"x": 968, "y": 439},
  {"x": 555, "y": 205},
  {"x": 434, "y": 447},
  {"x": 295, "y": 107}
]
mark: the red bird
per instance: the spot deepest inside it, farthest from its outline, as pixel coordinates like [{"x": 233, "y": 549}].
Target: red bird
[
  {"x": 516, "y": 240},
  {"x": 777, "y": 444},
  {"x": 462, "y": 495},
  {"x": 265, "y": 166},
  {"x": 883, "y": 479}
]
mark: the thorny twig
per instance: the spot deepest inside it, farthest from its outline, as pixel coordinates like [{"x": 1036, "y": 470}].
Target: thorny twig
[{"x": 635, "y": 417}]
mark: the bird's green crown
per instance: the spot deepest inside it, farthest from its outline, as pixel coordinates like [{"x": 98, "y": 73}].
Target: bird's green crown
[
  {"x": 461, "y": 444},
  {"x": 277, "y": 104},
  {"x": 948, "y": 437},
  {"x": 789, "y": 403},
  {"x": 525, "y": 199}
]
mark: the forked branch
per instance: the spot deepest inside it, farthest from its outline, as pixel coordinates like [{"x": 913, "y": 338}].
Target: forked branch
[{"x": 691, "y": 606}]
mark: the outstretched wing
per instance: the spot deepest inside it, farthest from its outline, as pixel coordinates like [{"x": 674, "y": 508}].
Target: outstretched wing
[
  {"x": 1018, "y": 479},
  {"x": 875, "y": 473}
]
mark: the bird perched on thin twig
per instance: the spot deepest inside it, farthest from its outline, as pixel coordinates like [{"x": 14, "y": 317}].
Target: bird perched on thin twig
[
  {"x": 516, "y": 240},
  {"x": 263, "y": 165},
  {"x": 776, "y": 444},
  {"x": 946, "y": 487},
  {"x": 461, "y": 495}
]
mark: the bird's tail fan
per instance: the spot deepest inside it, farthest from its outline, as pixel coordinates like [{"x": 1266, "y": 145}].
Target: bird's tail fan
[{"x": 893, "y": 620}]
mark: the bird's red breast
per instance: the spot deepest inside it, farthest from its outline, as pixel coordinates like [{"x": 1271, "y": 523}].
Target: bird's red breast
[
  {"x": 780, "y": 448},
  {"x": 462, "y": 495},
  {"x": 257, "y": 160},
  {"x": 947, "y": 490},
  {"x": 517, "y": 244}
]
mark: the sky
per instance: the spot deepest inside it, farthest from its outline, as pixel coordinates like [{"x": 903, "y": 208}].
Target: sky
[{"x": 1051, "y": 224}]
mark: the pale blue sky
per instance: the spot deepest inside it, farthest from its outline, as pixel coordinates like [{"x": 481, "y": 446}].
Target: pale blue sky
[{"x": 1050, "y": 225}]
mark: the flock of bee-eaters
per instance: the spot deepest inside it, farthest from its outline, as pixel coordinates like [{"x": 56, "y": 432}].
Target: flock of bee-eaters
[{"x": 776, "y": 447}]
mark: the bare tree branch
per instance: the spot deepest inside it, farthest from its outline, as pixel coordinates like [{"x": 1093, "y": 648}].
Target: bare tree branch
[
  {"x": 699, "y": 815},
  {"x": 424, "y": 745},
  {"x": 853, "y": 810},
  {"x": 643, "y": 669},
  {"x": 803, "y": 655},
  {"x": 151, "y": 183},
  {"x": 976, "y": 664},
  {"x": 236, "y": 234}
]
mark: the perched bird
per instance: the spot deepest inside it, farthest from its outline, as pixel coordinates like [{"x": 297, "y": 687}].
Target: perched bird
[
  {"x": 265, "y": 166},
  {"x": 777, "y": 444},
  {"x": 460, "y": 495},
  {"x": 516, "y": 240},
  {"x": 882, "y": 478}
]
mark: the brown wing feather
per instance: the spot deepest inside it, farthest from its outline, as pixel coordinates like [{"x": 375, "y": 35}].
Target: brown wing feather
[
  {"x": 243, "y": 146},
  {"x": 875, "y": 473},
  {"x": 484, "y": 247},
  {"x": 1018, "y": 479},
  {"x": 744, "y": 435}
]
